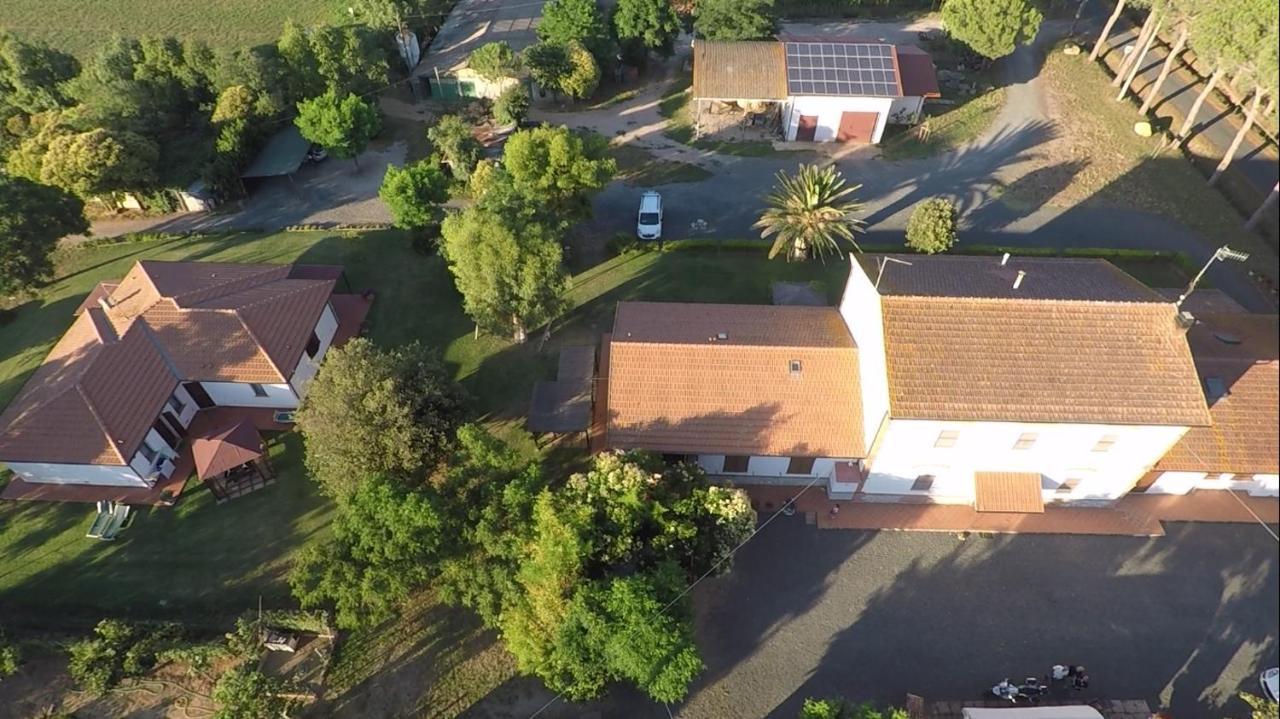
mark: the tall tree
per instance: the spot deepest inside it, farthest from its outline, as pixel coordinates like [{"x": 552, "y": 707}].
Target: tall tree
[
  {"x": 653, "y": 24},
  {"x": 992, "y": 28},
  {"x": 494, "y": 61},
  {"x": 584, "y": 72},
  {"x": 33, "y": 218},
  {"x": 414, "y": 193},
  {"x": 1106, "y": 30},
  {"x": 507, "y": 269},
  {"x": 735, "y": 19},
  {"x": 1179, "y": 44},
  {"x": 557, "y": 168},
  {"x": 548, "y": 64},
  {"x": 1160, "y": 13},
  {"x": 1251, "y": 117},
  {"x": 810, "y": 213},
  {"x": 100, "y": 162},
  {"x": 372, "y": 411},
  {"x": 452, "y": 137},
  {"x": 31, "y": 75},
  {"x": 566, "y": 21},
  {"x": 1131, "y": 60},
  {"x": 1266, "y": 206},
  {"x": 343, "y": 125}
]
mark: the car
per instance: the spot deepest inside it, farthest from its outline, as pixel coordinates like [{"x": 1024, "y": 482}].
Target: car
[
  {"x": 1270, "y": 681},
  {"x": 649, "y": 220},
  {"x": 317, "y": 154}
]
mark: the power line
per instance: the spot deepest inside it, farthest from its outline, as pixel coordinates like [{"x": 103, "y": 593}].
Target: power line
[{"x": 708, "y": 573}]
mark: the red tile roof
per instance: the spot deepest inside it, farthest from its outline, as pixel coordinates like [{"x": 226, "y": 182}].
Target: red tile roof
[
  {"x": 916, "y": 73},
  {"x": 718, "y": 379},
  {"x": 103, "y": 384},
  {"x": 226, "y": 448},
  {"x": 1243, "y": 438}
]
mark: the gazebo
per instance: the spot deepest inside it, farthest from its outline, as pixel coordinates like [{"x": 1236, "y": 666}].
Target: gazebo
[{"x": 232, "y": 461}]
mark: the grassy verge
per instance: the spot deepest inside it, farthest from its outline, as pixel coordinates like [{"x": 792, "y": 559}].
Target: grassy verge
[
  {"x": 80, "y": 27},
  {"x": 1095, "y": 157},
  {"x": 638, "y": 167},
  {"x": 945, "y": 128}
]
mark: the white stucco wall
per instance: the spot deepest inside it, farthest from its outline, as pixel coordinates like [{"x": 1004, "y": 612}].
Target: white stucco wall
[
  {"x": 1060, "y": 452},
  {"x": 94, "y": 474},
  {"x": 189, "y": 408},
  {"x": 860, "y": 308},
  {"x": 240, "y": 394},
  {"x": 829, "y": 109},
  {"x": 768, "y": 468},
  {"x": 163, "y": 465},
  {"x": 325, "y": 329},
  {"x": 1256, "y": 485},
  {"x": 905, "y": 110}
]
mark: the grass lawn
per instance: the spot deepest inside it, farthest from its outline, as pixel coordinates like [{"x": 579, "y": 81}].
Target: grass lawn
[
  {"x": 1095, "y": 157},
  {"x": 80, "y": 27},
  {"x": 948, "y": 127}
]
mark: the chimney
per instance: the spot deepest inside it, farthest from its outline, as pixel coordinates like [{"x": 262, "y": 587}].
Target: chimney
[
  {"x": 105, "y": 303},
  {"x": 1018, "y": 281},
  {"x": 1004, "y": 260}
]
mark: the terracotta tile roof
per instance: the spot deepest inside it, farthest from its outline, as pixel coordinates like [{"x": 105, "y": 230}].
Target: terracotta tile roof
[
  {"x": 916, "y": 73},
  {"x": 963, "y": 358},
  {"x": 1008, "y": 492},
  {"x": 674, "y": 386},
  {"x": 1243, "y": 438},
  {"x": 1045, "y": 278},
  {"x": 226, "y": 448},
  {"x": 739, "y": 70},
  {"x": 103, "y": 384}
]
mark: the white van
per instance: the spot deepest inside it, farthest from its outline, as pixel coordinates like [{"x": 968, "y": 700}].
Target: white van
[{"x": 649, "y": 220}]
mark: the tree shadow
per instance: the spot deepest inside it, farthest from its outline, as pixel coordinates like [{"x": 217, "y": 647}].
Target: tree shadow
[{"x": 1025, "y": 195}]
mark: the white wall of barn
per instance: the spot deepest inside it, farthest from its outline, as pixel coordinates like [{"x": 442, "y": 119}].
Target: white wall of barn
[
  {"x": 860, "y": 309},
  {"x": 325, "y": 329},
  {"x": 828, "y": 111},
  {"x": 905, "y": 110},
  {"x": 1255, "y": 485},
  {"x": 241, "y": 394},
  {"x": 102, "y": 475},
  {"x": 1060, "y": 452}
]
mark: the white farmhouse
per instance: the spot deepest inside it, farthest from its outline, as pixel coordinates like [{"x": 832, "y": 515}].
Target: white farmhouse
[
  {"x": 969, "y": 380},
  {"x": 173, "y": 352}
]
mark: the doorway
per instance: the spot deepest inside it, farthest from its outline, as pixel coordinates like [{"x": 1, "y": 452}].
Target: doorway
[
  {"x": 807, "y": 128},
  {"x": 857, "y": 127}
]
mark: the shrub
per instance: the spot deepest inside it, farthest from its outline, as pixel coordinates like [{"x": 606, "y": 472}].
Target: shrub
[
  {"x": 932, "y": 227},
  {"x": 10, "y": 657},
  {"x": 452, "y": 138},
  {"x": 494, "y": 61},
  {"x": 511, "y": 106},
  {"x": 116, "y": 651}
]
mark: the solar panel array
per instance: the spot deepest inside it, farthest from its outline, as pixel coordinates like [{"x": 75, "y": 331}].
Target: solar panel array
[{"x": 825, "y": 68}]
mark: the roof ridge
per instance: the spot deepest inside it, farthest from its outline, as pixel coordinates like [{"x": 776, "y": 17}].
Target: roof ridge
[
  {"x": 310, "y": 285},
  {"x": 1159, "y": 302},
  {"x": 258, "y": 343},
  {"x": 259, "y": 269},
  {"x": 726, "y": 344}
]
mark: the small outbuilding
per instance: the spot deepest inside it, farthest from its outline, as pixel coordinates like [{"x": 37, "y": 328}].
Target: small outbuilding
[{"x": 822, "y": 90}]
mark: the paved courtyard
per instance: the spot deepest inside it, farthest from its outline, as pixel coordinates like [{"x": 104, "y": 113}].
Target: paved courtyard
[{"x": 1182, "y": 621}]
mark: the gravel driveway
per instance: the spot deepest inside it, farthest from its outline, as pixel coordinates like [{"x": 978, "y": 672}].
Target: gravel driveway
[{"x": 1183, "y": 621}]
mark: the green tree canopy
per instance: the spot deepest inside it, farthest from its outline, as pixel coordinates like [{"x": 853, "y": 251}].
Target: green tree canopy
[
  {"x": 567, "y": 21},
  {"x": 245, "y": 692},
  {"x": 453, "y": 139},
  {"x": 373, "y": 411},
  {"x": 385, "y": 539},
  {"x": 494, "y": 61},
  {"x": 507, "y": 270},
  {"x": 735, "y": 19},
  {"x": 346, "y": 59},
  {"x": 548, "y": 64},
  {"x": 584, "y": 72},
  {"x": 810, "y": 213},
  {"x": 343, "y": 125},
  {"x": 33, "y": 218},
  {"x": 992, "y": 28},
  {"x": 10, "y": 657},
  {"x": 651, "y": 23},
  {"x": 558, "y": 168},
  {"x": 31, "y": 75},
  {"x": 932, "y": 226},
  {"x": 100, "y": 162},
  {"x": 414, "y": 193},
  {"x": 511, "y": 107}
]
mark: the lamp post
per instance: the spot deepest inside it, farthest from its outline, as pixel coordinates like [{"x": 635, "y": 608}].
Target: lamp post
[{"x": 1222, "y": 253}]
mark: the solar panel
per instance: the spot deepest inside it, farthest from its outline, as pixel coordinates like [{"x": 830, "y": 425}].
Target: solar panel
[{"x": 841, "y": 68}]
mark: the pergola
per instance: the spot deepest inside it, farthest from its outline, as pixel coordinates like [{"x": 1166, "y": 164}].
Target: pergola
[{"x": 232, "y": 461}]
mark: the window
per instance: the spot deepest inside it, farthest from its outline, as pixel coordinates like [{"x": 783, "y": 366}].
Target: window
[
  {"x": 1025, "y": 440},
  {"x": 800, "y": 465},
  {"x": 736, "y": 463},
  {"x": 258, "y": 390},
  {"x": 794, "y": 367},
  {"x": 1068, "y": 485},
  {"x": 176, "y": 405},
  {"x": 923, "y": 483},
  {"x": 1105, "y": 443},
  {"x": 947, "y": 438},
  {"x": 313, "y": 346}
]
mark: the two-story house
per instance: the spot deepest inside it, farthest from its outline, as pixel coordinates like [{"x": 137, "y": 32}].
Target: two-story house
[
  {"x": 109, "y": 411},
  {"x": 988, "y": 381}
]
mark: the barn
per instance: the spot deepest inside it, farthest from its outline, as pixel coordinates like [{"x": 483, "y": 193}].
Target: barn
[{"x": 821, "y": 90}]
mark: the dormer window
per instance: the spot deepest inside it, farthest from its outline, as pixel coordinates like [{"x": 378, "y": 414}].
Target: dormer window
[{"x": 794, "y": 367}]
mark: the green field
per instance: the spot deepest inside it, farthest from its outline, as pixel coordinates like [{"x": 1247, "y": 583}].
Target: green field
[{"x": 79, "y": 26}]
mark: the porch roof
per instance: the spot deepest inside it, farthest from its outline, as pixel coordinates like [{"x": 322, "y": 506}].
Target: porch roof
[{"x": 226, "y": 448}]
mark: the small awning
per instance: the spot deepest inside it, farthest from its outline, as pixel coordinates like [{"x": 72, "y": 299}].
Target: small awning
[
  {"x": 283, "y": 155},
  {"x": 1008, "y": 492},
  {"x": 564, "y": 405},
  {"x": 225, "y": 449}
]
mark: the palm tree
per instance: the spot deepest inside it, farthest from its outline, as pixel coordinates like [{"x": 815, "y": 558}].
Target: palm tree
[{"x": 810, "y": 212}]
